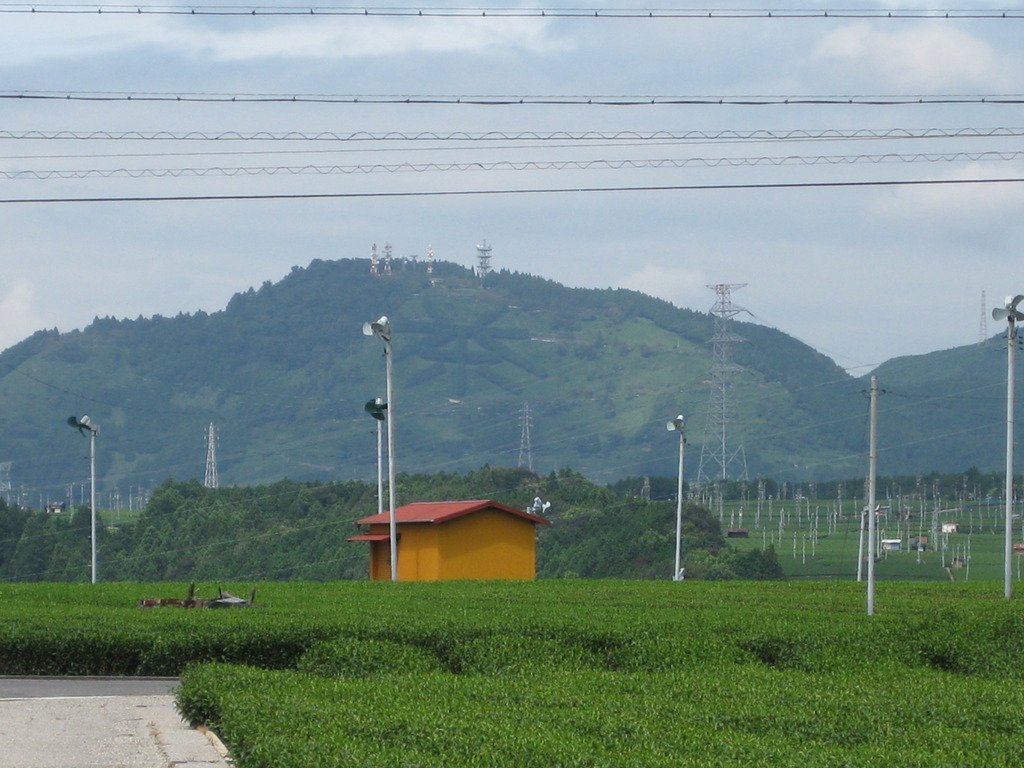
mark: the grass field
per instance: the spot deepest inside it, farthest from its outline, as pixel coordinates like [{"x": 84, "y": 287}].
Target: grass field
[{"x": 568, "y": 673}]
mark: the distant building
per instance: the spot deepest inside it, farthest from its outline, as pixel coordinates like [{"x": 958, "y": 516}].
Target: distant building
[
  {"x": 893, "y": 545},
  {"x": 737, "y": 533},
  {"x": 445, "y": 540},
  {"x": 951, "y": 527}
]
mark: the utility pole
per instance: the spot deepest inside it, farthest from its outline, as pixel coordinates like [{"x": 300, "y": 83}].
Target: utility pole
[
  {"x": 1010, "y": 313},
  {"x": 872, "y": 476}
]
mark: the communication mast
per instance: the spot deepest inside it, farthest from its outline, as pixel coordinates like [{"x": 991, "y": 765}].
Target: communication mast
[
  {"x": 483, "y": 257},
  {"x": 211, "y": 480},
  {"x": 373, "y": 261},
  {"x": 719, "y": 461},
  {"x": 525, "y": 448},
  {"x": 387, "y": 258},
  {"x": 430, "y": 260},
  {"x": 983, "y": 323}
]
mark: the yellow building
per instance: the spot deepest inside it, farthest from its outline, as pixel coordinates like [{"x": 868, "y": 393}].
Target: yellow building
[{"x": 441, "y": 540}]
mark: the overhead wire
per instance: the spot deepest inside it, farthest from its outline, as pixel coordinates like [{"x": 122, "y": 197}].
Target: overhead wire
[
  {"x": 498, "y": 12},
  {"x": 512, "y": 191},
  {"x": 486, "y": 137},
  {"x": 515, "y": 165},
  {"x": 477, "y": 100}
]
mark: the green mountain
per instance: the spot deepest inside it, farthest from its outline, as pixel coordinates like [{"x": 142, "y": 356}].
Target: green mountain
[
  {"x": 284, "y": 371},
  {"x": 944, "y": 410}
]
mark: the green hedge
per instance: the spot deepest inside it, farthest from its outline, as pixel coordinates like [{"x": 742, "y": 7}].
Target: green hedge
[{"x": 727, "y": 717}]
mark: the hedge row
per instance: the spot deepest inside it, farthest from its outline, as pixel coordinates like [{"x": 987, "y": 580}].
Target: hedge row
[
  {"x": 495, "y": 629},
  {"x": 727, "y": 717}
]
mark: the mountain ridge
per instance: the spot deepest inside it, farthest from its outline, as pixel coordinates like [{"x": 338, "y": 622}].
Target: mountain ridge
[{"x": 283, "y": 371}]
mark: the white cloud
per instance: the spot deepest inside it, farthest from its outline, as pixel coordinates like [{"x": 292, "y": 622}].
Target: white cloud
[
  {"x": 942, "y": 210},
  {"x": 679, "y": 285},
  {"x": 931, "y": 57},
  {"x": 18, "y": 316},
  {"x": 335, "y": 38},
  {"x": 373, "y": 37}
]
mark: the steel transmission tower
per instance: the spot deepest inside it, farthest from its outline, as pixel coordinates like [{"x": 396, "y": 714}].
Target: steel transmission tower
[
  {"x": 5, "y": 480},
  {"x": 525, "y": 448},
  {"x": 983, "y": 323},
  {"x": 211, "y": 457},
  {"x": 719, "y": 460}
]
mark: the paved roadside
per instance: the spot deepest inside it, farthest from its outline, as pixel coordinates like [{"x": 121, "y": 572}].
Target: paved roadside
[{"x": 99, "y": 723}]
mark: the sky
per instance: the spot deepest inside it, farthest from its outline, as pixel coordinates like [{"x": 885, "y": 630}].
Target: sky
[{"x": 819, "y": 162}]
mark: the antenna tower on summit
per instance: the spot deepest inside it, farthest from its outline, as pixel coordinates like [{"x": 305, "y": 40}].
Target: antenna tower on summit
[
  {"x": 719, "y": 461},
  {"x": 211, "y": 480},
  {"x": 430, "y": 260},
  {"x": 373, "y": 261},
  {"x": 483, "y": 259},
  {"x": 983, "y": 324},
  {"x": 525, "y": 448},
  {"x": 387, "y": 258}
]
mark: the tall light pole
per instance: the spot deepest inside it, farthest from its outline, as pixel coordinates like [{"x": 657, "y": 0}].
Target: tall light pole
[
  {"x": 84, "y": 425},
  {"x": 381, "y": 328},
  {"x": 377, "y": 408},
  {"x": 678, "y": 424},
  {"x": 1011, "y": 315}
]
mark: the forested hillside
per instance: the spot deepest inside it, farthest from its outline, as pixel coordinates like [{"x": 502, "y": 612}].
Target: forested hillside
[
  {"x": 297, "y": 531},
  {"x": 283, "y": 372}
]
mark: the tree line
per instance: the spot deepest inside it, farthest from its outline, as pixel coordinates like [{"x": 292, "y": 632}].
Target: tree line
[{"x": 293, "y": 530}]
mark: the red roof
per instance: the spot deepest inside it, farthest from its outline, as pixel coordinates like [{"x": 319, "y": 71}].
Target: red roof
[{"x": 442, "y": 511}]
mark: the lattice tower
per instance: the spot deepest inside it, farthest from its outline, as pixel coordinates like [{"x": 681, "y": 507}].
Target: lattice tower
[
  {"x": 483, "y": 258},
  {"x": 374, "y": 259},
  {"x": 211, "y": 480},
  {"x": 5, "y": 480},
  {"x": 719, "y": 460},
  {"x": 983, "y": 323},
  {"x": 525, "y": 447}
]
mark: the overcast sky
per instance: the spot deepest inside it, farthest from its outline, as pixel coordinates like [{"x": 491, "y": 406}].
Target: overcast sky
[{"x": 861, "y": 272}]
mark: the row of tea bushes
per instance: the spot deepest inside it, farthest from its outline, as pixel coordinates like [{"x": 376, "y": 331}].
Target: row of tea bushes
[
  {"x": 473, "y": 628},
  {"x": 723, "y": 716}
]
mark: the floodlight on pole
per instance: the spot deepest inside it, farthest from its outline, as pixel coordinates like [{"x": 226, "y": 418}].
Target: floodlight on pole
[
  {"x": 377, "y": 408},
  {"x": 381, "y": 328},
  {"x": 84, "y": 425},
  {"x": 678, "y": 424},
  {"x": 1011, "y": 315}
]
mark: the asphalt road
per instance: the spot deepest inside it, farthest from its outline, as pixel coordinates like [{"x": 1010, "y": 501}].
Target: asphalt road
[{"x": 99, "y": 723}]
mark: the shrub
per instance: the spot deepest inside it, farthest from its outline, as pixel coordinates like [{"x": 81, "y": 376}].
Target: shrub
[{"x": 366, "y": 657}]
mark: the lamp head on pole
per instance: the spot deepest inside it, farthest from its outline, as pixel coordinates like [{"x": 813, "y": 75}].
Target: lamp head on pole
[
  {"x": 676, "y": 425},
  {"x": 376, "y": 408},
  {"x": 380, "y": 327},
  {"x": 83, "y": 425}
]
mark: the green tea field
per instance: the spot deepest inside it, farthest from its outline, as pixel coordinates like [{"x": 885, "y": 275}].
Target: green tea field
[{"x": 560, "y": 673}]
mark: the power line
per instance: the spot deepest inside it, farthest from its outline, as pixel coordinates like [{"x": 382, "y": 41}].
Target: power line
[
  {"x": 882, "y": 100},
  {"x": 514, "y": 13},
  {"x": 512, "y": 165},
  {"x": 521, "y": 191},
  {"x": 725, "y": 136}
]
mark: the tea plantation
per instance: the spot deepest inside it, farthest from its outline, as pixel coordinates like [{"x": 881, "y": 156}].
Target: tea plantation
[{"x": 560, "y": 673}]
